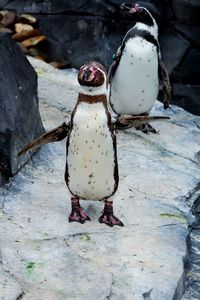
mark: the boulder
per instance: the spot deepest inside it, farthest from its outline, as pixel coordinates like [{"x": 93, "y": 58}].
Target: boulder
[
  {"x": 187, "y": 11},
  {"x": 20, "y": 120},
  {"x": 173, "y": 48},
  {"x": 188, "y": 70},
  {"x": 191, "y": 33},
  {"x": 187, "y": 96}
]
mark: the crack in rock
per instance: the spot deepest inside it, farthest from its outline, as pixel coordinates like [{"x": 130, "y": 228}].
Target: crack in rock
[
  {"x": 189, "y": 283},
  {"x": 147, "y": 295},
  {"x": 109, "y": 297}
]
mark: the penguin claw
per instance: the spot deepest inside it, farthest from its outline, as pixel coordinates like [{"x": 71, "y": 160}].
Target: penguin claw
[
  {"x": 146, "y": 128},
  {"x": 78, "y": 215},
  {"x": 110, "y": 220}
]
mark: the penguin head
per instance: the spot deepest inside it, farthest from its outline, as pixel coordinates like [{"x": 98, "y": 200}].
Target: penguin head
[
  {"x": 138, "y": 13},
  {"x": 92, "y": 74}
]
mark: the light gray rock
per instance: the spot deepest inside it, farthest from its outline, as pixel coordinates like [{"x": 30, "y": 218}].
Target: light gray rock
[
  {"x": 9, "y": 288},
  {"x": 53, "y": 259}
]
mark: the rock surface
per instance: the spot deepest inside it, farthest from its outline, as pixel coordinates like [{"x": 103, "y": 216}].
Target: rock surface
[
  {"x": 20, "y": 120},
  {"x": 52, "y": 259}
]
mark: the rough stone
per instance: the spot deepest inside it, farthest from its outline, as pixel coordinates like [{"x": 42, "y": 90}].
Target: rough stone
[
  {"x": 20, "y": 120},
  {"x": 191, "y": 33},
  {"x": 188, "y": 70},
  {"x": 9, "y": 288},
  {"x": 187, "y": 11},
  {"x": 53, "y": 259},
  {"x": 187, "y": 96},
  {"x": 173, "y": 48}
]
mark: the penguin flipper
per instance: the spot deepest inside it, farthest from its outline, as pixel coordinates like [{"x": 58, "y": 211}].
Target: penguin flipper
[
  {"x": 57, "y": 134},
  {"x": 164, "y": 77},
  {"x": 111, "y": 71},
  {"x": 114, "y": 65},
  {"x": 134, "y": 121}
]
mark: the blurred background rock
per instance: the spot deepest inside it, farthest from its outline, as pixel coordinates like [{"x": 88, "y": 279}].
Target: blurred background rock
[{"x": 66, "y": 33}]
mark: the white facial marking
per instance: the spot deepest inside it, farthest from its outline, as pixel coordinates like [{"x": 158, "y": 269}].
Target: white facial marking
[{"x": 94, "y": 91}]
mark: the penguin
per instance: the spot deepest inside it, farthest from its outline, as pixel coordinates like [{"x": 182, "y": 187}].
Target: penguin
[
  {"x": 91, "y": 155},
  {"x": 137, "y": 69},
  {"x": 91, "y": 171},
  {"x": 91, "y": 167}
]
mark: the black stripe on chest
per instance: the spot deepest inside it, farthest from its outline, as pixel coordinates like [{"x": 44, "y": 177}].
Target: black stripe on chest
[{"x": 134, "y": 32}]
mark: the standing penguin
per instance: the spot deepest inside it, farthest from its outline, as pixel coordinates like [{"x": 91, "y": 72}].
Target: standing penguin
[
  {"x": 137, "y": 68},
  {"x": 91, "y": 165},
  {"x": 91, "y": 168}
]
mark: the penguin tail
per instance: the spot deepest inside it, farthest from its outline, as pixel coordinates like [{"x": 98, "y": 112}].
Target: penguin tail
[
  {"x": 57, "y": 134},
  {"x": 167, "y": 89}
]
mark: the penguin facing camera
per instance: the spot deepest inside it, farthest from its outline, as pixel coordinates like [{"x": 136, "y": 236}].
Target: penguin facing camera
[
  {"x": 137, "y": 69},
  {"x": 91, "y": 161}
]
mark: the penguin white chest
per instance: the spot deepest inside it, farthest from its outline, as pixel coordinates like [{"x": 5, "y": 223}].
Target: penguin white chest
[
  {"x": 134, "y": 87},
  {"x": 91, "y": 160}
]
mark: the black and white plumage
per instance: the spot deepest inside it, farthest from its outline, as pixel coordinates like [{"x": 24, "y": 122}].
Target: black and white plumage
[{"x": 137, "y": 68}]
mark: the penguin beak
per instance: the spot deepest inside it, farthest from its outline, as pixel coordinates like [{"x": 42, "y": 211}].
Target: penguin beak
[
  {"x": 86, "y": 75},
  {"x": 130, "y": 8}
]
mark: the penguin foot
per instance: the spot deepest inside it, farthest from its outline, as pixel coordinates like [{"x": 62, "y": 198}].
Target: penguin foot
[
  {"x": 110, "y": 220},
  {"x": 146, "y": 128},
  {"x": 121, "y": 126},
  {"x": 108, "y": 217},
  {"x": 77, "y": 214}
]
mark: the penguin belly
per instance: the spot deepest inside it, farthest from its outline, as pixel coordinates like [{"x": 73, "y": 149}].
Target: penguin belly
[
  {"x": 91, "y": 154},
  {"x": 134, "y": 88}
]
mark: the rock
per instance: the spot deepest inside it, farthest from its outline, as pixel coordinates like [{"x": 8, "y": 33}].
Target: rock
[
  {"x": 8, "y": 17},
  {"x": 188, "y": 71},
  {"x": 187, "y": 96},
  {"x": 9, "y": 288},
  {"x": 20, "y": 27},
  {"x": 159, "y": 177},
  {"x": 187, "y": 11},
  {"x": 4, "y": 29},
  {"x": 33, "y": 41},
  {"x": 21, "y": 36},
  {"x": 89, "y": 32},
  {"x": 173, "y": 48},
  {"x": 20, "y": 120},
  {"x": 191, "y": 33},
  {"x": 27, "y": 19}
]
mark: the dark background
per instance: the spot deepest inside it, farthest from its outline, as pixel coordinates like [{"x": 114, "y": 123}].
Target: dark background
[{"x": 81, "y": 30}]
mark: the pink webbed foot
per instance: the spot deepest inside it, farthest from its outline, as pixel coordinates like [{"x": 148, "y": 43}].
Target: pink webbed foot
[
  {"x": 108, "y": 217},
  {"x": 77, "y": 213}
]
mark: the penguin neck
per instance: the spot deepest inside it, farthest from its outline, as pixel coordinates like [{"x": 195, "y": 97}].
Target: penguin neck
[
  {"x": 92, "y": 98},
  {"x": 151, "y": 29},
  {"x": 93, "y": 91}
]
